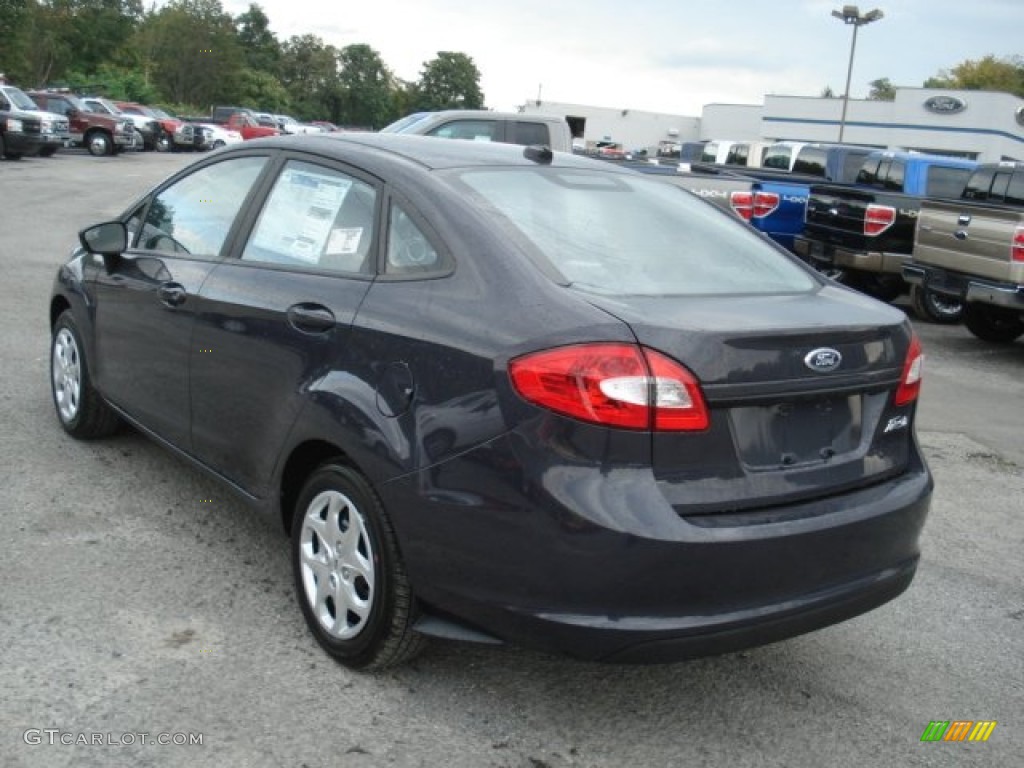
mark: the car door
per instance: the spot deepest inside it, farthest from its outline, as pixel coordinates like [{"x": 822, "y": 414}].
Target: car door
[
  {"x": 277, "y": 314},
  {"x": 147, "y": 298}
]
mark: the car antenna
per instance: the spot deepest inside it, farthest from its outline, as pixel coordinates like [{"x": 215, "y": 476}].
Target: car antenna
[{"x": 539, "y": 153}]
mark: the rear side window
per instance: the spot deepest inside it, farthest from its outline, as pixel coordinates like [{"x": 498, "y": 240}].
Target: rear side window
[
  {"x": 528, "y": 133},
  {"x": 777, "y": 157},
  {"x": 473, "y": 130},
  {"x": 738, "y": 155},
  {"x": 619, "y": 234},
  {"x": 316, "y": 217},
  {"x": 978, "y": 185},
  {"x": 946, "y": 182},
  {"x": 897, "y": 173},
  {"x": 195, "y": 213},
  {"x": 999, "y": 186},
  {"x": 710, "y": 152},
  {"x": 851, "y": 165},
  {"x": 410, "y": 252},
  {"x": 868, "y": 173},
  {"x": 811, "y": 161},
  {"x": 1015, "y": 192}
]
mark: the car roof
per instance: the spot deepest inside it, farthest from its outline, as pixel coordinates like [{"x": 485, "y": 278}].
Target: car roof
[{"x": 426, "y": 151}]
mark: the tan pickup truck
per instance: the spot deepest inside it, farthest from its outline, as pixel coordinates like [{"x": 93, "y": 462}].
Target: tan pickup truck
[{"x": 972, "y": 250}]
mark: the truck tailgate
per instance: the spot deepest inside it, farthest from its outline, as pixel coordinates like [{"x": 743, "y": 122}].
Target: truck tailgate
[{"x": 971, "y": 238}]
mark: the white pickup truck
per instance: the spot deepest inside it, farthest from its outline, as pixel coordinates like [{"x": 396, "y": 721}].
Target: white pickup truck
[{"x": 483, "y": 125}]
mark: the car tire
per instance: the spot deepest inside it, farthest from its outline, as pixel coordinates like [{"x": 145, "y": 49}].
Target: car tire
[
  {"x": 98, "y": 143},
  {"x": 885, "y": 288},
  {"x": 81, "y": 410},
  {"x": 994, "y": 324},
  {"x": 164, "y": 143},
  {"x": 935, "y": 307},
  {"x": 349, "y": 575}
]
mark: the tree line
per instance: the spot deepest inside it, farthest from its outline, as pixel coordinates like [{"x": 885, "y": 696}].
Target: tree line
[
  {"x": 188, "y": 55},
  {"x": 989, "y": 73}
]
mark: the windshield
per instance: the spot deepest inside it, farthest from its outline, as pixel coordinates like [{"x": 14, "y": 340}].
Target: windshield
[
  {"x": 620, "y": 234},
  {"x": 75, "y": 102},
  {"x": 399, "y": 126},
  {"x": 158, "y": 113},
  {"x": 18, "y": 98}
]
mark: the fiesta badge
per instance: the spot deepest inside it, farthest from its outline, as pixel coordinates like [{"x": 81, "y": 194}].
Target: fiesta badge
[{"x": 823, "y": 359}]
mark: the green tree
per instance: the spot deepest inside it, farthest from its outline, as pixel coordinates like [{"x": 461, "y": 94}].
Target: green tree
[
  {"x": 260, "y": 46},
  {"x": 192, "y": 53},
  {"x": 15, "y": 18},
  {"x": 882, "y": 90},
  {"x": 365, "y": 87},
  {"x": 987, "y": 74},
  {"x": 827, "y": 92},
  {"x": 449, "y": 81},
  {"x": 264, "y": 90},
  {"x": 309, "y": 72}
]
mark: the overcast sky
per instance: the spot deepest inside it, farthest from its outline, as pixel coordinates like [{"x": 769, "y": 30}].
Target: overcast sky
[{"x": 669, "y": 56}]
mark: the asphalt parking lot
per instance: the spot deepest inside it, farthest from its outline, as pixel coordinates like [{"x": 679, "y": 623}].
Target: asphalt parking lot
[{"x": 139, "y": 598}]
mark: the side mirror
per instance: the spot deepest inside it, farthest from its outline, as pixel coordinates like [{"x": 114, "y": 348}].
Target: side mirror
[{"x": 107, "y": 239}]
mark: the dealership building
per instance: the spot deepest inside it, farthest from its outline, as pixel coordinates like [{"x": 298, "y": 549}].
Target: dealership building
[{"x": 981, "y": 125}]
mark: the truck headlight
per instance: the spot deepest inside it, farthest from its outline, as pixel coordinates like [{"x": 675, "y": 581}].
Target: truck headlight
[{"x": 14, "y": 126}]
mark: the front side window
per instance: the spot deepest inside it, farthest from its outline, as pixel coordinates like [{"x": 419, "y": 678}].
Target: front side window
[
  {"x": 473, "y": 130},
  {"x": 621, "y": 234},
  {"x": 316, "y": 217},
  {"x": 1015, "y": 192},
  {"x": 527, "y": 133},
  {"x": 195, "y": 213}
]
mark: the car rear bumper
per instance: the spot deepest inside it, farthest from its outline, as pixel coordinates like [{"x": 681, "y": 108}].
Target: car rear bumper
[
  {"x": 965, "y": 287},
  {"x": 598, "y": 565},
  {"x": 824, "y": 254}
]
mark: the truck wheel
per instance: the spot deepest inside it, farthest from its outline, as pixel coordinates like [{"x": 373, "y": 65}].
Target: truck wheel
[
  {"x": 882, "y": 287},
  {"x": 935, "y": 307},
  {"x": 164, "y": 143},
  {"x": 994, "y": 324},
  {"x": 47, "y": 151},
  {"x": 98, "y": 143}
]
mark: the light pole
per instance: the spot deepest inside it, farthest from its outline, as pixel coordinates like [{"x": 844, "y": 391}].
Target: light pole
[{"x": 850, "y": 14}]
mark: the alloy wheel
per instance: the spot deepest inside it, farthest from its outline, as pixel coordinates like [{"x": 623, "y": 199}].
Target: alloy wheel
[{"x": 67, "y": 375}]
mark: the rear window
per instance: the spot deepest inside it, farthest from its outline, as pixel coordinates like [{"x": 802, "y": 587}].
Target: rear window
[
  {"x": 810, "y": 160},
  {"x": 777, "y": 157},
  {"x": 946, "y": 182},
  {"x": 616, "y": 234}
]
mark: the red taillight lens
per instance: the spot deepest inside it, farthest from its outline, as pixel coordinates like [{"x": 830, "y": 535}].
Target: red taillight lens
[
  {"x": 615, "y": 385},
  {"x": 1017, "y": 249},
  {"x": 910, "y": 381},
  {"x": 743, "y": 204},
  {"x": 765, "y": 203},
  {"x": 878, "y": 218}
]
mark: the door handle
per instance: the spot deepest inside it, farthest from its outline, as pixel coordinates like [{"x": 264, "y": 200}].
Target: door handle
[
  {"x": 310, "y": 318},
  {"x": 172, "y": 294}
]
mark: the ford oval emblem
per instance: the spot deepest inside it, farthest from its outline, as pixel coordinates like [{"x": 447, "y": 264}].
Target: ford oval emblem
[
  {"x": 823, "y": 359},
  {"x": 945, "y": 105}
]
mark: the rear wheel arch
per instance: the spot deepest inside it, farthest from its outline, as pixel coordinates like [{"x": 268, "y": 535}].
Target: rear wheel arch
[
  {"x": 302, "y": 462},
  {"x": 57, "y": 307}
]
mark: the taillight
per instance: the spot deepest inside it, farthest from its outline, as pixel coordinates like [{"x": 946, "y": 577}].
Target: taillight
[
  {"x": 1017, "y": 249},
  {"x": 742, "y": 203},
  {"x": 765, "y": 203},
  {"x": 614, "y": 385},
  {"x": 878, "y": 218},
  {"x": 910, "y": 381}
]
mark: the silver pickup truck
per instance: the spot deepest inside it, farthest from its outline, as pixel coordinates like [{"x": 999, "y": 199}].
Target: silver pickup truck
[{"x": 972, "y": 250}]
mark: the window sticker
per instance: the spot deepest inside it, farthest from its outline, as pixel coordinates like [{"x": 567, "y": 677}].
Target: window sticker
[
  {"x": 344, "y": 241},
  {"x": 298, "y": 216}
]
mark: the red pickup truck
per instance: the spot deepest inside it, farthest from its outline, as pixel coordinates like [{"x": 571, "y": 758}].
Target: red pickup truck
[{"x": 242, "y": 120}]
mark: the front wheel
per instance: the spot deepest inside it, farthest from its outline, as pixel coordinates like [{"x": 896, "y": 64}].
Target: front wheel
[
  {"x": 935, "y": 307},
  {"x": 81, "y": 410},
  {"x": 349, "y": 576},
  {"x": 99, "y": 143},
  {"x": 994, "y": 324}
]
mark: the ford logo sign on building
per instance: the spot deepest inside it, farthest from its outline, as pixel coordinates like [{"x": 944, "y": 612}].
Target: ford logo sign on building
[
  {"x": 823, "y": 359},
  {"x": 945, "y": 105}
]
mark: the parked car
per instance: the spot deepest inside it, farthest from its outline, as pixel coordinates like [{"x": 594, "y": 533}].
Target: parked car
[
  {"x": 970, "y": 253},
  {"x": 325, "y": 126},
  {"x": 24, "y": 130},
  {"x": 691, "y": 441},
  {"x": 288, "y": 124},
  {"x": 484, "y": 125},
  {"x": 169, "y": 126},
  {"x": 100, "y": 134},
  {"x": 864, "y": 233},
  {"x": 243, "y": 121},
  {"x": 219, "y": 136},
  {"x": 147, "y": 128}
]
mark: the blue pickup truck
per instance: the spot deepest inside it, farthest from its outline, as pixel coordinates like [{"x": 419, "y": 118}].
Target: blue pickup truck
[
  {"x": 862, "y": 234},
  {"x": 780, "y": 196}
]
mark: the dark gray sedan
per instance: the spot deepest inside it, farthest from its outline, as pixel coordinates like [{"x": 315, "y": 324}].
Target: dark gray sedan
[{"x": 500, "y": 394}]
